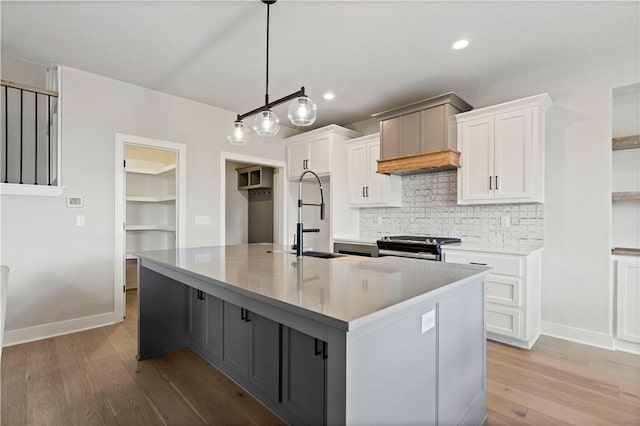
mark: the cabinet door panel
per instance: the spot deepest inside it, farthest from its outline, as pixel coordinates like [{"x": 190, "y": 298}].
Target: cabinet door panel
[
  {"x": 197, "y": 320},
  {"x": 236, "y": 340},
  {"x": 304, "y": 378},
  {"x": 410, "y": 133},
  {"x": 514, "y": 154},
  {"x": 390, "y": 138},
  {"x": 433, "y": 129},
  {"x": 477, "y": 159},
  {"x": 376, "y": 183},
  {"x": 628, "y": 303},
  {"x": 213, "y": 326},
  {"x": 296, "y": 157},
  {"x": 357, "y": 173},
  {"x": 320, "y": 155},
  {"x": 504, "y": 320},
  {"x": 264, "y": 371}
]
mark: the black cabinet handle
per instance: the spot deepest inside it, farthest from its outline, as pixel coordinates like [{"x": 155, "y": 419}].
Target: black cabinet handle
[
  {"x": 325, "y": 353},
  {"x": 496, "y": 182},
  {"x": 363, "y": 196},
  {"x": 200, "y": 295},
  {"x": 367, "y": 191},
  {"x": 244, "y": 315},
  {"x": 316, "y": 351},
  {"x": 490, "y": 177},
  {"x": 476, "y": 263}
]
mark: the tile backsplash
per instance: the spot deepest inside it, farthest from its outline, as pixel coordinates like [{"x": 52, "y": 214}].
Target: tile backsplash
[{"x": 429, "y": 208}]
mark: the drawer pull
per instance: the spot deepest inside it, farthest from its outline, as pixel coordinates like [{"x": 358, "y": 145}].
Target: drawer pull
[{"x": 478, "y": 263}]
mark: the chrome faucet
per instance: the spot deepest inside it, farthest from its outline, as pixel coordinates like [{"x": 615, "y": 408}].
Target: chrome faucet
[{"x": 299, "y": 228}]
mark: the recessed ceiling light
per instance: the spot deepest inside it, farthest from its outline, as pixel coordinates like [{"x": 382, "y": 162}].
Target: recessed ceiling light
[
  {"x": 460, "y": 44},
  {"x": 328, "y": 96}
]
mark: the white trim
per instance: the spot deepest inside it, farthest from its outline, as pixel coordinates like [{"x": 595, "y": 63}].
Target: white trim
[
  {"x": 181, "y": 219},
  {"x": 280, "y": 179},
  {"x": 31, "y": 190},
  {"x": 44, "y": 331},
  {"x": 578, "y": 335},
  {"x": 632, "y": 348}
]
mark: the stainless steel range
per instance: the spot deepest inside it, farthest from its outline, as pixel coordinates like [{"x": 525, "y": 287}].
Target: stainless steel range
[{"x": 419, "y": 247}]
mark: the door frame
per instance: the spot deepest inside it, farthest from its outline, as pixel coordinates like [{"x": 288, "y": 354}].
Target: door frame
[
  {"x": 279, "y": 193},
  {"x": 119, "y": 223}
]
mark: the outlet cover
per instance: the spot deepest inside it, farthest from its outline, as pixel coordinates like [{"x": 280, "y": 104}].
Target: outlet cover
[
  {"x": 505, "y": 221},
  {"x": 428, "y": 321}
]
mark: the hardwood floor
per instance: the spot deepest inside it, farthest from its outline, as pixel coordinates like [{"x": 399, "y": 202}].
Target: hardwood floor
[{"x": 93, "y": 378}]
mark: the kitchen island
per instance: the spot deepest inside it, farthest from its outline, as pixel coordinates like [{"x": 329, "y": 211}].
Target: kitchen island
[{"x": 327, "y": 341}]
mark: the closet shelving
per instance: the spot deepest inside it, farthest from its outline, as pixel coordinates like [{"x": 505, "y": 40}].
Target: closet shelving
[{"x": 150, "y": 200}]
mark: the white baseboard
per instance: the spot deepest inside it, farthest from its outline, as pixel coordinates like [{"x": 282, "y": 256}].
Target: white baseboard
[
  {"x": 632, "y": 348},
  {"x": 578, "y": 335},
  {"x": 44, "y": 331}
]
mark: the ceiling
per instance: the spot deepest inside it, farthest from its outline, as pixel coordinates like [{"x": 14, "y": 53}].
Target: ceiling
[{"x": 373, "y": 55}]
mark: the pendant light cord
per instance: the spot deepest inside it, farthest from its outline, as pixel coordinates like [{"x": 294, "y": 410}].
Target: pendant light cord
[{"x": 266, "y": 90}]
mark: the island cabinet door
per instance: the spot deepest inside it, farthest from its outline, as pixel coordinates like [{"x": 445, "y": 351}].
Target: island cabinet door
[
  {"x": 236, "y": 341},
  {"x": 304, "y": 377},
  {"x": 196, "y": 326},
  {"x": 264, "y": 357},
  {"x": 213, "y": 327}
]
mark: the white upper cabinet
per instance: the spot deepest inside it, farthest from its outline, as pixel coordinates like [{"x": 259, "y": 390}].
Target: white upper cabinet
[
  {"x": 366, "y": 188},
  {"x": 502, "y": 152},
  {"x": 313, "y": 150}
]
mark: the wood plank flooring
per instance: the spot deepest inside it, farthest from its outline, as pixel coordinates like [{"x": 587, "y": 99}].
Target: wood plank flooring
[{"x": 93, "y": 378}]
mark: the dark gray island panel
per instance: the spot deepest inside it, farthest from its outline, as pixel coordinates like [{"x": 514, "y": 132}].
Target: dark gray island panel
[{"x": 316, "y": 345}]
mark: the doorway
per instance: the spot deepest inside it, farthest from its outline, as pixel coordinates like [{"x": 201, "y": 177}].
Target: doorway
[
  {"x": 252, "y": 200},
  {"x": 150, "y": 206}
]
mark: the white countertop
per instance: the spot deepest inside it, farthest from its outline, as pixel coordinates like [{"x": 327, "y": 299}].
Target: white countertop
[
  {"x": 346, "y": 289},
  {"x": 522, "y": 250}
]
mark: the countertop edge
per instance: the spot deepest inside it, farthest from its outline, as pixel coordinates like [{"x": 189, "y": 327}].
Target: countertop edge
[{"x": 488, "y": 248}]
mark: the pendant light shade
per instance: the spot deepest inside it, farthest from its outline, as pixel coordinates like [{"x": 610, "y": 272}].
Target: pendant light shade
[
  {"x": 238, "y": 133},
  {"x": 266, "y": 123},
  {"x": 302, "y": 111}
]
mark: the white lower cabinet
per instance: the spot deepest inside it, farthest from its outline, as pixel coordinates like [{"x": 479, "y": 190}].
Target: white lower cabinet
[
  {"x": 627, "y": 278},
  {"x": 512, "y": 309}
]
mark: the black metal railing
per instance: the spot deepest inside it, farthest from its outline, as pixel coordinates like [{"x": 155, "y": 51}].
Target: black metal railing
[{"x": 26, "y": 142}]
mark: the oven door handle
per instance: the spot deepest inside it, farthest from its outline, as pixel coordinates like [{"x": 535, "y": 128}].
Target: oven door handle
[{"x": 419, "y": 255}]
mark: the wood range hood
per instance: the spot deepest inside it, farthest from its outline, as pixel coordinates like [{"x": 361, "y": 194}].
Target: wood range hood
[
  {"x": 420, "y": 137},
  {"x": 423, "y": 162}
]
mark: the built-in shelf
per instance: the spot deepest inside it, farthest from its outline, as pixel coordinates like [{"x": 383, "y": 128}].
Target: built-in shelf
[
  {"x": 255, "y": 177},
  {"x": 626, "y": 251},
  {"x": 131, "y": 256},
  {"x": 146, "y": 199},
  {"x": 625, "y": 196},
  {"x": 626, "y": 142},
  {"x": 151, "y": 171},
  {"x": 170, "y": 228}
]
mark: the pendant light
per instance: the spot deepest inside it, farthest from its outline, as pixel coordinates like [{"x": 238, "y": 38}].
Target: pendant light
[{"x": 302, "y": 110}]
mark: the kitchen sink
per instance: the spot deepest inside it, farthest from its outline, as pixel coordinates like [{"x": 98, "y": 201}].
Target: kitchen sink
[{"x": 322, "y": 255}]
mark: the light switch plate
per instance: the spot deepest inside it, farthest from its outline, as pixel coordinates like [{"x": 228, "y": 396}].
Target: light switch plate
[
  {"x": 80, "y": 220},
  {"x": 428, "y": 321},
  {"x": 203, "y": 220},
  {"x": 505, "y": 221}
]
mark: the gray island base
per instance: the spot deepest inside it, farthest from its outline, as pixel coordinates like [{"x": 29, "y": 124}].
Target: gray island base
[{"x": 343, "y": 341}]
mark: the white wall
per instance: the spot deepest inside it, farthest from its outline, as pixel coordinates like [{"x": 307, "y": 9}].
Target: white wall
[
  {"x": 20, "y": 71},
  {"x": 60, "y": 271}
]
